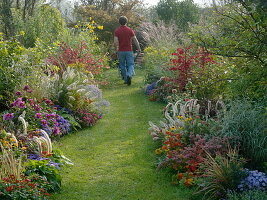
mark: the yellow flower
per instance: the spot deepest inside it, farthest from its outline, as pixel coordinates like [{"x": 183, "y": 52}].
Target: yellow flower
[
  {"x": 189, "y": 119},
  {"x": 90, "y": 18},
  {"x": 90, "y": 26},
  {"x": 158, "y": 151},
  {"x": 22, "y": 33},
  {"x": 180, "y": 117},
  {"x": 173, "y": 128},
  {"x": 100, "y": 27},
  {"x": 12, "y": 139},
  {"x": 23, "y": 148},
  {"x": 76, "y": 26},
  {"x": 93, "y": 22}
]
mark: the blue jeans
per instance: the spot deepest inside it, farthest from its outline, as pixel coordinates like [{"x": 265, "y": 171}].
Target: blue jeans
[{"x": 126, "y": 63}]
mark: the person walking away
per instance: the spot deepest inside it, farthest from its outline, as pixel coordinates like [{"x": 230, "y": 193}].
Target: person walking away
[{"x": 123, "y": 38}]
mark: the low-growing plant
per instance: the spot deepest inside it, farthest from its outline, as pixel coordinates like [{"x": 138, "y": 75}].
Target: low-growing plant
[
  {"x": 27, "y": 188},
  {"x": 247, "y": 195},
  {"x": 254, "y": 181},
  {"x": 39, "y": 114},
  {"x": 45, "y": 169},
  {"x": 184, "y": 140}
]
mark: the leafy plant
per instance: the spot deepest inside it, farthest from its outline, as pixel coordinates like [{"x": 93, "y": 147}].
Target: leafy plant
[{"x": 48, "y": 171}]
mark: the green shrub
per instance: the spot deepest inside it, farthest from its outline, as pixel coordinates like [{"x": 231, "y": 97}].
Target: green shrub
[
  {"x": 46, "y": 23},
  {"x": 11, "y": 53},
  {"x": 245, "y": 123}
]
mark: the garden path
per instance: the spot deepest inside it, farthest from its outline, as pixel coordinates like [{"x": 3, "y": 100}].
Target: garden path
[{"x": 115, "y": 158}]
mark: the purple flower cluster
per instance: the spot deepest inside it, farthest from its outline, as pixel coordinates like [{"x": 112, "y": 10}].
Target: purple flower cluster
[
  {"x": 19, "y": 103},
  {"x": 39, "y": 158},
  {"x": 63, "y": 125},
  {"x": 8, "y": 116},
  {"x": 151, "y": 88},
  {"x": 55, "y": 124},
  {"x": 255, "y": 180}
]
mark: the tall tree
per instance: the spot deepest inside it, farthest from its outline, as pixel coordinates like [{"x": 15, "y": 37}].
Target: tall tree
[
  {"x": 7, "y": 18},
  {"x": 180, "y": 12}
]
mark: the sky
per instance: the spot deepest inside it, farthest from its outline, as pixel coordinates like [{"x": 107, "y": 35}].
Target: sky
[{"x": 199, "y": 2}]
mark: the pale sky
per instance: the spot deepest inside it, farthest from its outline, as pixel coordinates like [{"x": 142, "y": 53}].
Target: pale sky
[{"x": 154, "y": 2}]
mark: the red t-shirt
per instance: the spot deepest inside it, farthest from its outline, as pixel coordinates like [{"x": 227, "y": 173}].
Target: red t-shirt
[{"x": 124, "y": 34}]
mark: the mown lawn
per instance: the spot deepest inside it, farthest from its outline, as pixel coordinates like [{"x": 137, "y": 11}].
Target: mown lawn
[{"x": 115, "y": 158}]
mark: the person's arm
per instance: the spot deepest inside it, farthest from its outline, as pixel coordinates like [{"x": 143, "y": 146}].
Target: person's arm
[
  {"x": 136, "y": 43},
  {"x": 116, "y": 43}
]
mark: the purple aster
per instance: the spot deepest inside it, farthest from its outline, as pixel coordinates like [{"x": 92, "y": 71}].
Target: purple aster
[
  {"x": 31, "y": 102},
  {"x": 18, "y": 93},
  {"x": 21, "y": 104},
  {"x": 56, "y": 130},
  {"x": 37, "y": 108},
  {"x": 44, "y": 122},
  {"x": 26, "y": 87},
  {"x": 38, "y": 115},
  {"x": 8, "y": 116}
]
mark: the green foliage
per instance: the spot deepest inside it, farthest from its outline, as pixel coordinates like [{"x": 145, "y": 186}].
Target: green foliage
[
  {"x": 10, "y": 54},
  {"x": 247, "y": 195},
  {"x": 106, "y": 13},
  {"x": 246, "y": 54},
  {"x": 245, "y": 123},
  {"x": 181, "y": 12},
  {"x": 50, "y": 172},
  {"x": 46, "y": 23},
  {"x": 155, "y": 59}
]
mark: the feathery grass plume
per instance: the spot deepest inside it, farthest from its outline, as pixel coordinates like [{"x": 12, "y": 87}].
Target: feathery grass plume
[
  {"x": 47, "y": 138},
  {"x": 39, "y": 145},
  {"x": 223, "y": 173},
  {"x": 43, "y": 143},
  {"x": 24, "y": 123},
  {"x": 159, "y": 34},
  {"x": 10, "y": 165}
]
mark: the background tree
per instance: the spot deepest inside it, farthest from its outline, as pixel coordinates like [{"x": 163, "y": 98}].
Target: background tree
[
  {"x": 107, "y": 12},
  {"x": 237, "y": 30},
  {"x": 181, "y": 12}
]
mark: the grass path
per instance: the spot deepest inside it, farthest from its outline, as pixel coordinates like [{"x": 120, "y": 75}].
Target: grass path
[{"x": 115, "y": 159}]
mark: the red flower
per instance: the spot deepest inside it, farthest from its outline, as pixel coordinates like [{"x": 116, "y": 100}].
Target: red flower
[
  {"x": 9, "y": 188},
  {"x": 180, "y": 175}
]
